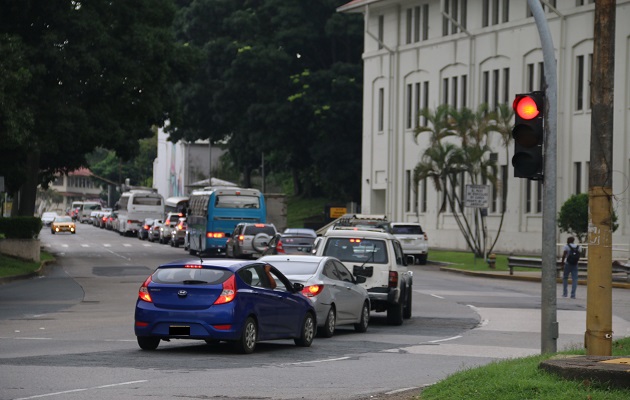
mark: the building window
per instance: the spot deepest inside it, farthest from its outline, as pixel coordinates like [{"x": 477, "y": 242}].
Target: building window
[
  {"x": 583, "y": 2},
  {"x": 457, "y": 10},
  {"x": 544, "y": 7},
  {"x": 445, "y": 91},
  {"x": 381, "y": 31},
  {"x": 535, "y": 76},
  {"x": 408, "y": 190},
  {"x": 539, "y": 193},
  {"x": 409, "y": 106},
  {"x": 578, "y": 177},
  {"x": 494, "y": 12},
  {"x": 425, "y": 101},
  {"x": 424, "y": 195},
  {"x": 499, "y": 88},
  {"x": 454, "y": 91},
  {"x": 528, "y": 196},
  {"x": 416, "y": 98},
  {"x": 579, "y": 83},
  {"x": 506, "y": 86},
  {"x": 504, "y": 187},
  {"x": 381, "y": 109},
  {"x": 417, "y": 23}
]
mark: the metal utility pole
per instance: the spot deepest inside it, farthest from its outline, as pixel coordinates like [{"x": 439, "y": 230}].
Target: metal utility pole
[
  {"x": 598, "y": 337},
  {"x": 548, "y": 310}
]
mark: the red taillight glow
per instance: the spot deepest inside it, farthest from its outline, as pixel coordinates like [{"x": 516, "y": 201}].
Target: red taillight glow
[
  {"x": 355, "y": 240},
  {"x": 259, "y": 225},
  {"x": 222, "y": 327},
  {"x": 241, "y": 237},
  {"x": 229, "y": 291},
  {"x": 393, "y": 279},
  {"x": 143, "y": 293},
  {"x": 215, "y": 235},
  {"x": 146, "y": 227},
  {"x": 313, "y": 290},
  {"x": 280, "y": 248},
  {"x": 180, "y": 227},
  {"x": 192, "y": 266},
  {"x": 141, "y": 324}
]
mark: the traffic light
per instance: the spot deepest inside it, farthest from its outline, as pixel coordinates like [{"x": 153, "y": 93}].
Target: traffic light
[{"x": 528, "y": 134}]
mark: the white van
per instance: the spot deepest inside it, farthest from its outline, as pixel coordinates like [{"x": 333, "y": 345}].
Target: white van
[
  {"x": 135, "y": 206},
  {"x": 86, "y": 210}
]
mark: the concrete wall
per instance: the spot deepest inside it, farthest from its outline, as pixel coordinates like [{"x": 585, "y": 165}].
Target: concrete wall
[{"x": 27, "y": 249}]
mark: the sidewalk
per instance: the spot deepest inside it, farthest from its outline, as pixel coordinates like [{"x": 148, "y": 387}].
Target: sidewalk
[
  {"x": 615, "y": 370},
  {"x": 531, "y": 276}
]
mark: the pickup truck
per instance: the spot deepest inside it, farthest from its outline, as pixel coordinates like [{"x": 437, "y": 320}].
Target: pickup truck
[{"x": 378, "y": 256}]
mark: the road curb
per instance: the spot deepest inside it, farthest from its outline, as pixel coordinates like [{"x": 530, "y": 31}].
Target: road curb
[
  {"x": 614, "y": 371},
  {"x": 528, "y": 278}
]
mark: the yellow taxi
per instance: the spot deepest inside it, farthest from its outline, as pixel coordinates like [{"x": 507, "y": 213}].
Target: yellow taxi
[{"x": 63, "y": 224}]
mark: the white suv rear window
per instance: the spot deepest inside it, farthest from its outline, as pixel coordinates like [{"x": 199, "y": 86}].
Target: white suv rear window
[{"x": 357, "y": 250}]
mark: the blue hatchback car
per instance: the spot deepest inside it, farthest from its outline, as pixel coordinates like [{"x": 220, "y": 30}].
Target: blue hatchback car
[{"x": 241, "y": 302}]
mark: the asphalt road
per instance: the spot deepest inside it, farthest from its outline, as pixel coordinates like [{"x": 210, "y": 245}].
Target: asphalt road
[{"x": 69, "y": 335}]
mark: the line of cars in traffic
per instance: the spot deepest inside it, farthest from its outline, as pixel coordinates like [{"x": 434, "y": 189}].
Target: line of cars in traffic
[{"x": 271, "y": 286}]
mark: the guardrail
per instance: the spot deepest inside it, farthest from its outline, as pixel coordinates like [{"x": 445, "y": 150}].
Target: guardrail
[{"x": 536, "y": 263}]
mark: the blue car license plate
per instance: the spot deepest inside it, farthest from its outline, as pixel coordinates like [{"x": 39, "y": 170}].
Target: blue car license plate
[{"x": 176, "y": 330}]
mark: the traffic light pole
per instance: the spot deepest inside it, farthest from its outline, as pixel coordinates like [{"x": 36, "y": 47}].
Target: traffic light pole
[{"x": 549, "y": 323}]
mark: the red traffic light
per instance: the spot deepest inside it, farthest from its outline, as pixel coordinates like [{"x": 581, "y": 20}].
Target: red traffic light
[{"x": 525, "y": 107}]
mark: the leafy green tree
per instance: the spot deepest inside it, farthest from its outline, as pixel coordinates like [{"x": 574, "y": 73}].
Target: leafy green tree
[
  {"x": 276, "y": 77},
  {"x": 573, "y": 217},
  {"x": 89, "y": 74}
]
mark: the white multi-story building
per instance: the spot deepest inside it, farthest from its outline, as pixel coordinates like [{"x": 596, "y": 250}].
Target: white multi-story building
[
  {"x": 180, "y": 164},
  {"x": 423, "y": 53}
]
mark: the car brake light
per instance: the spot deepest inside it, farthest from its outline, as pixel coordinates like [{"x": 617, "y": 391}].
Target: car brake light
[
  {"x": 280, "y": 248},
  {"x": 393, "y": 279},
  {"x": 215, "y": 235},
  {"x": 355, "y": 240},
  {"x": 241, "y": 237},
  {"x": 229, "y": 291},
  {"x": 180, "y": 227},
  {"x": 195, "y": 266},
  {"x": 313, "y": 290},
  {"x": 259, "y": 225},
  {"x": 143, "y": 293},
  {"x": 146, "y": 227}
]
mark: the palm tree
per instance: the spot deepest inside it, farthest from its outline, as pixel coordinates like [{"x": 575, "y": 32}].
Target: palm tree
[{"x": 450, "y": 162}]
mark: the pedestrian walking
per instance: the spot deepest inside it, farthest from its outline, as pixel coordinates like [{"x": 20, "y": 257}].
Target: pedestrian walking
[{"x": 570, "y": 258}]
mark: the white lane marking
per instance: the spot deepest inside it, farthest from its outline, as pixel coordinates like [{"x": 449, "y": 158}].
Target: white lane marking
[
  {"x": 147, "y": 245},
  {"x": 435, "y": 295},
  {"x": 80, "y": 390},
  {"x": 318, "y": 361},
  {"x": 126, "y": 245},
  {"x": 402, "y": 390},
  {"x": 85, "y": 245},
  {"x": 33, "y": 338},
  {"x": 116, "y": 254},
  {"x": 107, "y": 245},
  {"x": 444, "y": 340},
  {"x": 64, "y": 245}
]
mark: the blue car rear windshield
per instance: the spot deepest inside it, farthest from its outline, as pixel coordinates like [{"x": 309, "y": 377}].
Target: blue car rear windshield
[{"x": 190, "y": 275}]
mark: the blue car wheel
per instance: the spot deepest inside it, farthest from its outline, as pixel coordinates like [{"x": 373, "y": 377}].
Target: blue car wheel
[
  {"x": 148, "y": 343},
  {"x": 247, "y": 341}
]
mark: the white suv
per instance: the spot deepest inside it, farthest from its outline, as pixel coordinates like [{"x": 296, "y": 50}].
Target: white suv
[
  {"x": 249, "y": 240},
  {"x": 378, "y": 256},
  {"x": 413, "y": 239}
]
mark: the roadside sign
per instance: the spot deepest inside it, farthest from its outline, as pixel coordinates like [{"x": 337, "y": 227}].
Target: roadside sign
[
  {"x": 337, "y": 212},
  {"x": 477, "y": 196}
]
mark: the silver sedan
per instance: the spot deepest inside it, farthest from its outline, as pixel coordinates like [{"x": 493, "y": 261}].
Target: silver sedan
[{"x": 336, "y": 294}]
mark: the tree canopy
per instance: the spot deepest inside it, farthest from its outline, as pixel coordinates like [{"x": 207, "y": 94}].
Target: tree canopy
[
  {"x": 279, "y": 77},
  {"x": 80, "y": 75}
]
